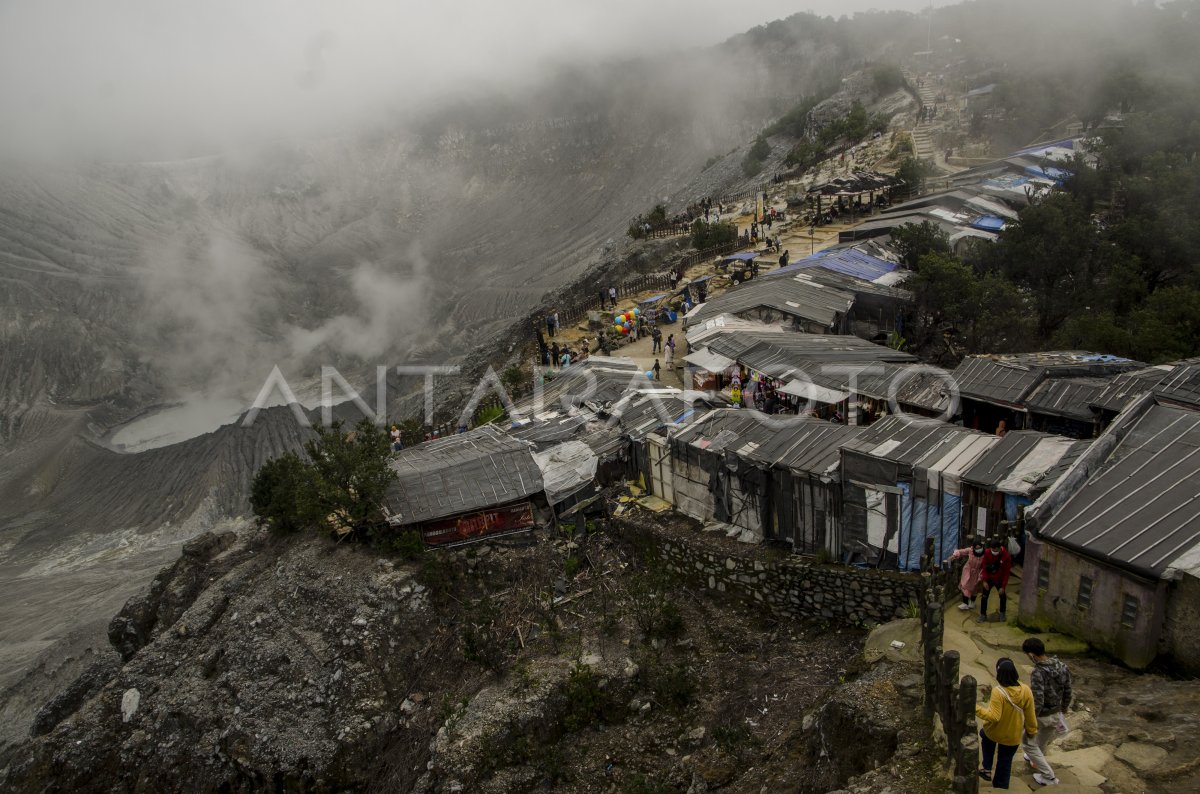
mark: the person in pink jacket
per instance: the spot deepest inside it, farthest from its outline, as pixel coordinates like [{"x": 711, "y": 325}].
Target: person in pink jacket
[{"x": 972, "y": 573}]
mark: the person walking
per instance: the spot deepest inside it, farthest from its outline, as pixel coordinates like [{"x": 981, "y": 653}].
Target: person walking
[
  {"x": 656, "y": 341},
  {"x": 669, "y": 351},
  {"x": 972, "y": 573},
  {"x": 1007, "y": 718},
  {"x": 997, "y": 565},
  {"x": 554, "y": 354},
  {"x": 612, "y": 296},
  {"x": 657, "y": 370},
  {"x": 557, "y": 324},
  {"x": 1050, "y": 683},
  {"x": 550, "y": 324}
]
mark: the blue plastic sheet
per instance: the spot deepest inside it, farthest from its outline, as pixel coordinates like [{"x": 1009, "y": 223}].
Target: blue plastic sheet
[{"x": 920, "y": 519}]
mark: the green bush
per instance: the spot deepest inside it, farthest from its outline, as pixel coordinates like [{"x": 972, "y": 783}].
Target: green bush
[
  {"x": 584, "y": 699},
  {"x": 673, "y": 685},
  {"x": 707, "y": 235},
  {"x": 489, "y": 414},
  {"x": 406, "y": 543},
  {"x": 752, "y": 163},
  {"x": 887, "y": 78}
]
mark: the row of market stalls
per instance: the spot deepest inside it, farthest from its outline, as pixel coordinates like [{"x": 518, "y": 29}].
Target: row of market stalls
[
  {"x": 977, "y": 204},
  {"x": 823, "y": 375},
  {"x": 1051, "y": 391},
  {"x": 839, "y": 291},
  {"x": 867, "y": 496}
]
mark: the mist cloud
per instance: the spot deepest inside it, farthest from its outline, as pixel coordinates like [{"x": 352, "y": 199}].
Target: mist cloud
[
  {"x": 391, "y": 312},
  {"x": 145, "y": 79}
]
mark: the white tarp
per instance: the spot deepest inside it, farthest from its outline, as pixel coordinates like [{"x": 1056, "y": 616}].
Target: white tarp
[
  {"x": 709, "y": 361},
  {"x": 944, "y": 467},
  {"x": 566, "y": 468},
  {"x": 1029, "y": 469},
  {"x": 808, "y": 390}
]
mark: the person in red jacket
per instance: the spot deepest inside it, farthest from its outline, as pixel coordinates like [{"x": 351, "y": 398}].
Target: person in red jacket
[{"x": 997, "y": 565}]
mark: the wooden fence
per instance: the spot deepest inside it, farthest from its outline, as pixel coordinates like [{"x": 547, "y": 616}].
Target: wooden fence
[
  {"x": 667, "y": 230},
  {"x": 573, "y": 310}
]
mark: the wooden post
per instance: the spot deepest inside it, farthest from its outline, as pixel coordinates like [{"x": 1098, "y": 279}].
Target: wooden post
[
  {"x": 967, "y": 760},
  {"x": 931, "y": 640},
  {"x": 928, "y": 563},
  {"x": 947, "y": 701}
]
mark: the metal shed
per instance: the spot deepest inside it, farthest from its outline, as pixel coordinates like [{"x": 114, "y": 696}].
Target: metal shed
[{"x": 900, "y": 483}]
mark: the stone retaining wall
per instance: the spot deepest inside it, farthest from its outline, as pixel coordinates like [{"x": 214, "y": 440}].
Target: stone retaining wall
[{"x": 790, "y": 586}]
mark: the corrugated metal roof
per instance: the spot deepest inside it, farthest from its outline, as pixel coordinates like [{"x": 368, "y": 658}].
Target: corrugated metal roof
[
  {"x": 598, "y": 379},
  {"x": 641, "y": 414},
  {"x": 1020, "y": 463},
  {"x": 794, "y": 296},
  {"x": 906, "y": 439},
  {"x": 1177, "y": 382},
  {"x": 798, "y": 443},
  {"x": 482, "y": 468},
  {"x": 847, "y": 261},
  {"x": 944, "y": 466},
  {"x": 1068, "y": 397},
  {"x": 782, "y": 355},
  {"x": 1140, "y": 507},
  {"x": 1009, "y": 380}
]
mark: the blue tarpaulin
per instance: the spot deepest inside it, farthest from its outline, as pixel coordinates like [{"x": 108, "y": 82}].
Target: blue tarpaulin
[
  {"x": 745, "y": 256},
  {"x": 847, "y": 261},
  {"x": 919, "y": 519},
  {"x": 653, "y": 299},
  {"x": 1048, "y": 171},
  {"x": 988, "y": 223}
]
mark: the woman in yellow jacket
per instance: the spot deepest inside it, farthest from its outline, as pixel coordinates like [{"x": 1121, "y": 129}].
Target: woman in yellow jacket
[{"x": 1008, "y": 715}]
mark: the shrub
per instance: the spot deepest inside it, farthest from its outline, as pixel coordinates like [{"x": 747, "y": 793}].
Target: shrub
[
  {"x": 407, "y": 544},
  {"x": 707, "y": 235},
  {"x": 489, "y": 414},
  {"x": 887, "y": 78},
  {"x": 584, "y": 698},
  {"x": 673, "y": 685},
  {"x": 752, "y": 163}
]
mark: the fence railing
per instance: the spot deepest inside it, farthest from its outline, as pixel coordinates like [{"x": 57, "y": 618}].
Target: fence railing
[
  {"x": 667, "y": 230},
  {"x": 572, "y": 310}
]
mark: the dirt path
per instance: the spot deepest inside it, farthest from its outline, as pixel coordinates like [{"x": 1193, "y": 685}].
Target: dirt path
[{"x": 1120, "y": 738}]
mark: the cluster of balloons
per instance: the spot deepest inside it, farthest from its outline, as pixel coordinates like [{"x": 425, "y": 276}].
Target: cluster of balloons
[{"x": 625, "y": 322}]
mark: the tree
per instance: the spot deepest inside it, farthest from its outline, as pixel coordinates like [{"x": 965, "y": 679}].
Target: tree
[
  {"x": 913, "y": 172},
  {"x": 350, "y": 472},
  {"x": 345, "y": 475},
  {"x": 276, "y": 493},
  {"x": 887, "y": 78},
  {"x": 914, "y": 240},
  {"x": 1051, "y": 252},
  {"x": 984, "y": 313}
]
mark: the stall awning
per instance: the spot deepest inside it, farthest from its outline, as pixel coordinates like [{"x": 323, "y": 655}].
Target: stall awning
[
  {"x": 745, "y": 256},
  {"x": 711, "y": 362},
  {"x": 807, "y": 390},
  {"x": 652, "y": 299}
]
